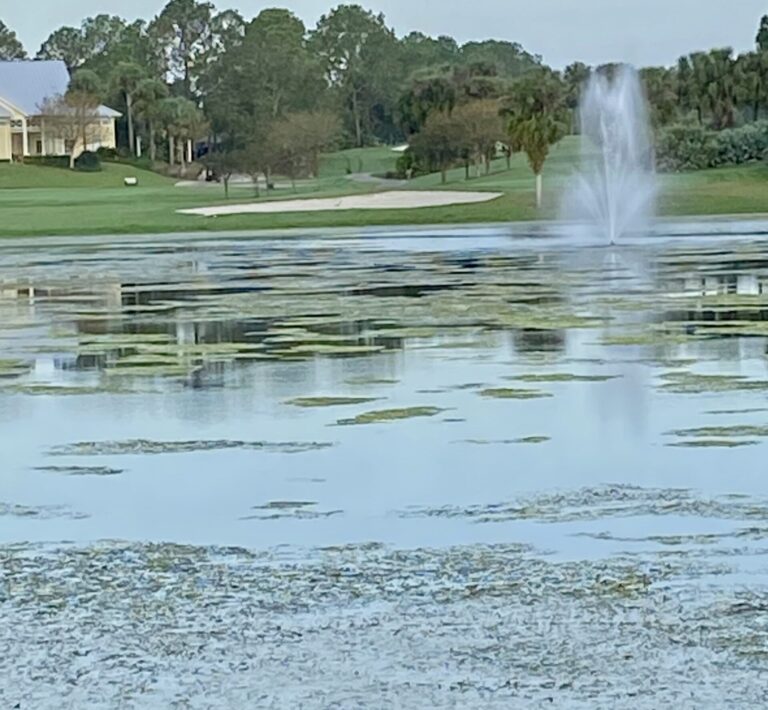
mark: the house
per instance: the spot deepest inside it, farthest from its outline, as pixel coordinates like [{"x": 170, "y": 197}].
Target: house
[{"x": 25, "y": 87}]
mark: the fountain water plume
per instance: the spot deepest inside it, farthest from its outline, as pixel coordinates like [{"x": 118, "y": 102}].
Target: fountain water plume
[{"x": 614, "y": 191}]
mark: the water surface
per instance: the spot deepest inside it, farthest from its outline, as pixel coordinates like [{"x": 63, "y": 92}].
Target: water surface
[{"x": 485, "y": 418}]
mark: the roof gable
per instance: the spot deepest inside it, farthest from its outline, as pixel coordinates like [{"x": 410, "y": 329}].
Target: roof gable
[{"x": 27, "y": 84}]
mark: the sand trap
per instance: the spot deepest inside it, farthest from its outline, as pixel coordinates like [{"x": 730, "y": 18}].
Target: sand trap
[{"x": 394, "y": 200}]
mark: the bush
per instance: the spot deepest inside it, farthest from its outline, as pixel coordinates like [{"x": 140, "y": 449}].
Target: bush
[
  {"x": 685, "y": 147},
  {"x": 107, "y": 155},
  {"x": 88, "y": 162},
  {"x": 742, "y": 145},
  {"x": 407, "y": 166},
  {"x": 691, "y": 147},
  {"x": 51, "y": 161}
]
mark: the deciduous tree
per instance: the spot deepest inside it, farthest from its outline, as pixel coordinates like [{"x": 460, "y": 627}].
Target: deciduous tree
[
  {"x": 359, "y": 56},
  {"x": 537, "y": 119},
  {"x": 10, "y": 47}
]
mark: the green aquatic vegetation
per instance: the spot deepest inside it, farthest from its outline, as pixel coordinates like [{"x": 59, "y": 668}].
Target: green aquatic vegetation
[
  {"x": 391, "y": 415},
  {"x": 81, "y": 470},
  {"x": 372, "y": 380},
  {"x": 296, "y": 510},
  {"x": 147, "y": 447},
  {"x": 562, "y": 377},
  {"x": 39, "y": 512},
  {"x": 648, "y": 337},
  {"x": 601, "y": 502},
  {"x": 13, "y": 368},
  {"x": 686, "y": 382},
  {"x": 534, "y": 440},
  {"x": 744, "y": 430},
  {"x": 512, "y": 393},
  {"x": 48, "y": 390},
  {"x": 728, "y": 412},
  {"x": 523, "y": 440},
  {"x": 326, "y": 349},
  {"x": 149, "y": 370},
  {"x": 712, "y": 444},
  {"x": 329, "y": 401}
]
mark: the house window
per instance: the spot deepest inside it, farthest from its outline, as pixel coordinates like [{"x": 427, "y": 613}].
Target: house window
[
  {"x": 39, "y": 147},
  {"x": 69, "y": 146},
  {"x": 17, "y": 124}
]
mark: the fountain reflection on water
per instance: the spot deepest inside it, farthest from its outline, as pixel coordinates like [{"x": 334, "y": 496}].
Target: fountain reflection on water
[{"x": 614, "y": 191}]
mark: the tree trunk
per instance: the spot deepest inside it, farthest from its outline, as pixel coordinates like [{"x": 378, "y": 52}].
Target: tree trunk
[
  {"x": 358, "y": 121},
  {"x": 444, "y": 175},
  {"x": 466, "y": 170},
  {"x": 226, "y": 187},
  {"x": 129, "y": 116},
  {"x": 539, "y": 190},
  {"x": 509, "y": 161},
  {"x": 171, "y": 150},
  {"x": 152, "y": 143},
  {"x": 72, "y": 159}
]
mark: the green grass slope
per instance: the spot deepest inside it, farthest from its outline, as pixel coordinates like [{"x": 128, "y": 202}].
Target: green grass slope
[{"x": 36, "y": 201}]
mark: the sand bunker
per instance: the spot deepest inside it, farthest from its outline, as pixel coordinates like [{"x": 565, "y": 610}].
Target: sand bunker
[{"x": 393, "y": 200}]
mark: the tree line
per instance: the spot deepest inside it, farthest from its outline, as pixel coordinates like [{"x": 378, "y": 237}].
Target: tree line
[{"x": 269, "y": 94}]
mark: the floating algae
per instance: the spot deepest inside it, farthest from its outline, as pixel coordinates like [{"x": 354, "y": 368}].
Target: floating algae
[
  {"x": 421, "y": 615},
  {"x": 13, "y": 368},
  {"x": 329, "y": 401},
  {"x": 81, "y": 470},
  {"x": 145, "y": 446},
  {"x": 712, "y": 444},
  {"x": 391, "y": 415},
  {"x": 685, "y": 382},
  {"x": 40, "y": 512},
  {"x": 296, "y": 510},
  {"x": 523, "y": 440},
  {"x": 512, "y": 393},
  {"x": 601, "y": 502},
  {"x": 563, "y": 377}
]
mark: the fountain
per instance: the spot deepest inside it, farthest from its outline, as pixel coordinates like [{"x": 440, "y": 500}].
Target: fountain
[{"x": 614, "y": 191}]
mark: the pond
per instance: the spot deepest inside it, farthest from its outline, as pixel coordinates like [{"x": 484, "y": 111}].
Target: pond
[{"x": 428, "y": 468}]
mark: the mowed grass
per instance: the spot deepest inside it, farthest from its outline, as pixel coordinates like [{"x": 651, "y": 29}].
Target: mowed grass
[{"x": 39, "y": 201}]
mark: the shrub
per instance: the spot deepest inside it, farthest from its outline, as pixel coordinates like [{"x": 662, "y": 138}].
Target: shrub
[
  {"x": 107, "y": 155},
  {"x": 742, "y": 145},
  {"x": 88, "y": 162},
  {"x": 684, "y": 147},
  {"x": 691, "y": 147}
]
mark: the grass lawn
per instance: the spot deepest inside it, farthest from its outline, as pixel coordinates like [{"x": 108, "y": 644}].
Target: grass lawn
[{"x": 38, "y": 201}]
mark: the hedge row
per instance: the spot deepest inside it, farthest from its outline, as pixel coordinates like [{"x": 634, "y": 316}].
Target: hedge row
[
  {"x": 692, "y": 147},
  {"x": 86, "y": 162}
]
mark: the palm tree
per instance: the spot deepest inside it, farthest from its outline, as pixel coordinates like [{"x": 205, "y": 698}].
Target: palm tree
[
  {"x": 126, "y": 78},
  {"x": 148, "y": 103},
  {"x": 183, "y": 121}
]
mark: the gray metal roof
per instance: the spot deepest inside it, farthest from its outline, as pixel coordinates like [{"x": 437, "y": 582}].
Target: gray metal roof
[{"x": 27, "y": 84}]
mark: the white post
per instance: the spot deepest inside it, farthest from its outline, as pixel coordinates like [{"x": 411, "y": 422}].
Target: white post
[
  {"x": 24, "y": 137},
  {"x": 138, "y": 146},
  {"x": 189, "y": 151}
]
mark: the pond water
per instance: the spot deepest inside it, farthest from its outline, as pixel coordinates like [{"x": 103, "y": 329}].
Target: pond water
[{"x": 228, "y": 459}]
